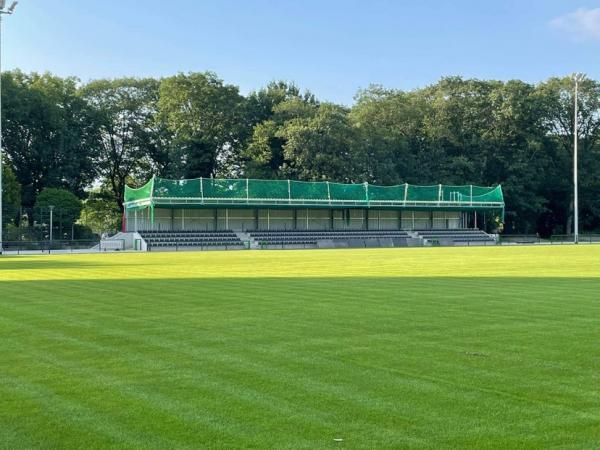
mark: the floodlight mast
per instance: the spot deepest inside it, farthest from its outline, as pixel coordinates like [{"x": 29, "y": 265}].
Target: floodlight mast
[
  {"x": 3, "y": 11},
  {"x": 577, "y": 78}
]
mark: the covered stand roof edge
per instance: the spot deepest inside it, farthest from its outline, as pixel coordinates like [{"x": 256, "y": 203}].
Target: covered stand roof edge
[{"x": 285, "y": 194}]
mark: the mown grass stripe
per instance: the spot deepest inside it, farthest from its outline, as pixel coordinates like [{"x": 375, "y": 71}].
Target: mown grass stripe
[{"x": 423, "y": 348}]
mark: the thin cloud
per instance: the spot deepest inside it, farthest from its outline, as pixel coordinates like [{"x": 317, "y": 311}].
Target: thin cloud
[{"x": 582, "y": 24}]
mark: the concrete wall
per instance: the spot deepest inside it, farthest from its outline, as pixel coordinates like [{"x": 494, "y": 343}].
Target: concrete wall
[
  {"x": 273, "y": 219},
  {"x": 385, "y": 219},
  {"x": 349, "y": 219}
]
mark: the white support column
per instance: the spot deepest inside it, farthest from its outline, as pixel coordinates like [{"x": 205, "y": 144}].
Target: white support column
[
  {"x": 439, "y": 194},
  {"x": 201, "y": 190},
  {"x": 575, "y": 176},
  {"x": 405, "y": 193},
  {"x": 328, "y": 193},
  {"x": 247, "y": 191}
]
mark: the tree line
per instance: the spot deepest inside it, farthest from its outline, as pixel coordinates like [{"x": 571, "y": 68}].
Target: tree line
[{"x": 94, "y": 138}]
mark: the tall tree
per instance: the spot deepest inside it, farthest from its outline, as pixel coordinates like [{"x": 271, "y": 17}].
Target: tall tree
[
  {"x": 48, "y": 133},
  {"x": 129, "y": 140},
  {"x": 320, "y": 147},
  {"x": 276, "y": 104},
  {"x": 558, "y": 98},
  {"x": 209, "y": 122},
  {"x": 100, "y": 213},
  {"x": 389, "y": 136},
  {"x": 11, "y": 195},
  {"x": 262, "y": 104}
]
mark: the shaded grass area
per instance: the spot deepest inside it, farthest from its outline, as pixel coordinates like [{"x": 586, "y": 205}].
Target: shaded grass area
[{"x": 296, "y": 361}]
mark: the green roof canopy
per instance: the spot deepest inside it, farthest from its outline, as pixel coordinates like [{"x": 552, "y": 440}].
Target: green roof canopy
[{"x": 240, "y": 193}]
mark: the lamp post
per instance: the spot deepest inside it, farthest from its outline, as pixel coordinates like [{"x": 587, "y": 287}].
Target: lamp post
[
  {"x": 51, "y": 226},
  {"x": 3, "y": 11},
  {"x": 577, "y": 78}
]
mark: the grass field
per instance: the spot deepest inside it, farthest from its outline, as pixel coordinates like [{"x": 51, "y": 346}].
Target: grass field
[{"x": 408, "y": 348}]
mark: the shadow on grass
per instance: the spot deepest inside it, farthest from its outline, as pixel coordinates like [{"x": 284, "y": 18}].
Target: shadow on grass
[{"x": 503, "y": 288}]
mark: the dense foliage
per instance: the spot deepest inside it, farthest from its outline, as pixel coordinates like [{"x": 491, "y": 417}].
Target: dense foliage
[
  {"x": 66, "y": 206},
  {"x": 61, "y": 133}
]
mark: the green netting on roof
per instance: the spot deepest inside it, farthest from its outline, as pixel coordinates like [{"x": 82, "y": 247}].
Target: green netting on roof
[
  {"x": 209, "y": 191},
  {"x": 308, "y": 191},
  {"x": 176, "y": 188},
  {"x": 224, "y": 189},
  {"x": 423, "y": 193},
  {"x": 345, "y": 192},
  {"x": 386, "y": 193},
  {"x": 451, "y": 193},
  {"x": 270, "y": 188},
  {"x": 141, "y": 195}
]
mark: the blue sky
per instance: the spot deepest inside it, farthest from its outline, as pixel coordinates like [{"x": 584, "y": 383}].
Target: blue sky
[{"x": 331, "y": 47}]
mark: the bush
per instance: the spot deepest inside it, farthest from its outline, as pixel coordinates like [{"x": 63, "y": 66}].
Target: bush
[{"x": 67, "y": 209}]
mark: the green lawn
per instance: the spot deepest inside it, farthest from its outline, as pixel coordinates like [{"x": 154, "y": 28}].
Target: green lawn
[{"x": 406, "y": 348}]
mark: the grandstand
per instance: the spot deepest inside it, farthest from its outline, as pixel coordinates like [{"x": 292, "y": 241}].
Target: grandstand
[{"x": 232, "y": 213}]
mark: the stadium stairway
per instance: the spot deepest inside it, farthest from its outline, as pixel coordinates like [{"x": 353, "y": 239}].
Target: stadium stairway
[
  {"x": 460, "y": 236},
  {"x": 248, "y": 241},
  {"x": 191, "y": 240}
]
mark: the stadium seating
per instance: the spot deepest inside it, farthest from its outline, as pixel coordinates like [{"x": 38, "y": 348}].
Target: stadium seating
[
  {"x": 462, "y": 236},
  {"x": 314, "y": 239},
  {"x": 328, "y": 239},
  {"x": 192, "y": 239}
]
